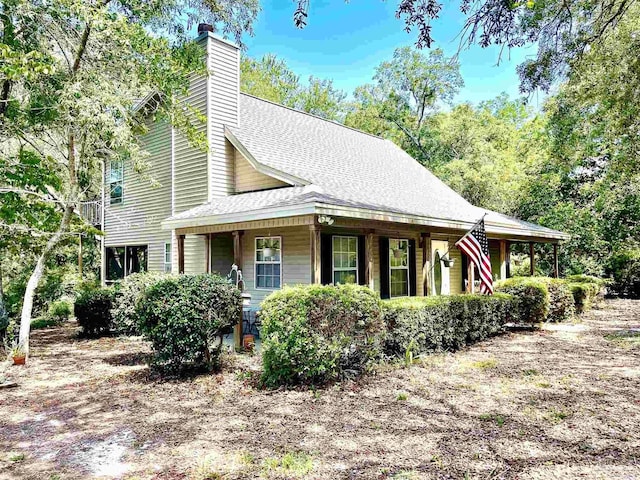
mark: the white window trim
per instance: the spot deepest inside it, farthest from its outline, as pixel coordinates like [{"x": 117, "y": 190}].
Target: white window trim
[
  {"x": 121, "y": 202},
  {"x": 164, "y": 257},
  {"x": 400, "y": 268},
  {"x": 342, "y": 269},
  {"x": 256, "y": 263}
]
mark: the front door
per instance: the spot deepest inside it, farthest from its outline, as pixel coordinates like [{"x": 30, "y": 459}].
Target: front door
[{"x": 441, "y": 275}]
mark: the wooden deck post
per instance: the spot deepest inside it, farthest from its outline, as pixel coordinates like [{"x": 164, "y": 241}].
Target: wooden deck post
[
  {"x": 315, "y": 242},
  {"x": 532, "y": 260},
  {"x": 471, "y": 277},
  {"x": 508, "y": 258},
  {"x": 556, "y": 271},
  {"x": 237, "y": 259},
  {"x": 180, "y": 254},
  {"x": 426, "y": 264},
  {"x": 503, "y": 259},
  {"x": 368, "y": 259}
]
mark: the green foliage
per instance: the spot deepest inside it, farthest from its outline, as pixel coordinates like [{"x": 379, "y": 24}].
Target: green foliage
[
  {"x": 316, "y": 334},
  {"x": 127, "y": 304},
  {"x": 184, "y": 318},
  {"x": 530, "y": 298},
  {"x": 561, "y": 300},
  {"x": 60, "y": 311},
  {"x": 624, "y": 268},
  {"x": 431, "y": 324},
  {"x": 585, "y": 291},
  {"x": 43, "y": 322},
  {"x": 92, "y": 309}
]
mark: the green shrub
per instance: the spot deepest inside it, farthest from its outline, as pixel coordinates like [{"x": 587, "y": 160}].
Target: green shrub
[
  {"x": 315, "y": 334},
  {"x": 126, "y": 309},
  {"x": 584, "y": 295},
  {"x": 60, "y": 311},
  {"x": 561, "y": 300},
  {"x": 43, "y": 322},
  {"x": 92, "y": 309},
  {"x": 427, "y": 324},
  {"x": 530, "y": 298},
  {"x": 184, "y": 317}
]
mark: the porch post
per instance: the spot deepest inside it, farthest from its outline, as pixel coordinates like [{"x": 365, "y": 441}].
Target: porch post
[
  {"x": 508, "y": 258},
  {"x": 503, "y": 259},
  {"x": 368, "y": 259},
  {"x": 314, "y": 242},
  {"x": 180, "y": 254},
  {"x": 532, "y": 260},
  {"x": 426, "y": 264},
  {"x": 207, "y": 252},
  {"x": 237, "y": 259},
  {"x": 556, "y": 271},
  {"x": 471, "y": 277}
]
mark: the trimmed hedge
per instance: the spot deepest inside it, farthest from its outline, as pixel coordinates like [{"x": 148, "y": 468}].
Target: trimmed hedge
[
  {"x": 561, "y": 300},
  {"x": 184, "y": 318},
  {"x": 419, "y": 325},
  {"x": 530, "y": 298},
  {"x": 126, "y": 308},
  {"x": 315, "y": 334},
  {"x": 92, "y": 309},
  {"x": 585, "y": 291}
]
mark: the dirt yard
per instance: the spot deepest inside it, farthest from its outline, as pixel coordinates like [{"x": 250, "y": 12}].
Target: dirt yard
[{"x": 563, "y": 402}]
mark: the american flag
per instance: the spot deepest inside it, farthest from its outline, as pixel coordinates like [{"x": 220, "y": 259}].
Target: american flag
[{"x": 476, "y": 246}]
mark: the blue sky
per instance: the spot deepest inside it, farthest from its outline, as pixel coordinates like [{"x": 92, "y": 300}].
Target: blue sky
[{"x": 346, "y": 41}]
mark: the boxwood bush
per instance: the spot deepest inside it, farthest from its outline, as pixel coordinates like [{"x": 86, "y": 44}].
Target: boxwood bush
[
  {"x": 585, "y": 290},
  {"x": 184, "y": 317},
  {"x": 92, "y": 309},
  {"x": 561, "y": 301},
  {"x": 428, "y": 324},
  {"x": 315, "y": 334},
  {"x": 126, "y": 308},
  {"x": 530, "y": 298}
]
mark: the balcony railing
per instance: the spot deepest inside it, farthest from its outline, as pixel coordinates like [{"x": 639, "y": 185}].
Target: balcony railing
[{"x": 91, "y": 212}]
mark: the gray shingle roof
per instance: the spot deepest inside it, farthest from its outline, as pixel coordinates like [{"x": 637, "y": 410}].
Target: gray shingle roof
[{"x": 346, "y": 167}]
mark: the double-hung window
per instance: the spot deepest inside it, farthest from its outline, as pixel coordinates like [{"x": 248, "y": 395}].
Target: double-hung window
[
  {"x": 268, "y": 261},
  {"x": 123, "y": 261},
  {"x": 398, "y": 267},
  {"x": 167, "y": 257},
  {"x": 345, "y": 259},
  {"x": 116, "y": 178}
]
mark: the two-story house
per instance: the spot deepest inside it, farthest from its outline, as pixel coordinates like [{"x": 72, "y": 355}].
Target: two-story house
[{"x": 292, "y": 199}]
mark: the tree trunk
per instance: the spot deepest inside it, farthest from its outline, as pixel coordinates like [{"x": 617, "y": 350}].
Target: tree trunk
[
  {"x": 36, "y": 275},
  {"x": 3, "y": 309}
]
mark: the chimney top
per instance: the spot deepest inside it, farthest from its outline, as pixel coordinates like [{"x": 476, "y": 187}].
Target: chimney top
[{"x": 204, "y": 27}]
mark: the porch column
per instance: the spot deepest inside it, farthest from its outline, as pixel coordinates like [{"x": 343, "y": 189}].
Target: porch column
[
  {"x": 471, "y": 277},
  {"x": 532, "y": 260},
  {"x": 207, "y": 253},
  {"x": 180, "y": 254},
  {"x": 368, "y": 259},
  {"x": 237, "y": 259},
  {"x": 426, "y": 264},
  {"x": 508, "y": 258},
  {"x": 503, "y": 259},
  {"x": 314, "y": 242},
  {"x": 556, "y": 271}
]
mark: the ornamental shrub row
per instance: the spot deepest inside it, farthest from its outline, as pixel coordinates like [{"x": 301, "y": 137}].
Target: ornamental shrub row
[
  {"x": 420, "y": 325},
  {"x": 183, "y": 316},
  {"x": 315, "y": 334}
]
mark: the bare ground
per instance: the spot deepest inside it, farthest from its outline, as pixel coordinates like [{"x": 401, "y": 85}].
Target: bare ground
[{"x": 563, "y": 402}]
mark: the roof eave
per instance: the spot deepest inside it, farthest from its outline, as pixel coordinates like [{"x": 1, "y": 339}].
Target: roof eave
[{"x": 319, "y": 208}]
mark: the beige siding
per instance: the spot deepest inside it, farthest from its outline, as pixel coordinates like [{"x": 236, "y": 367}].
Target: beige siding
[
  {"x": 494, "y": 254},
  {"x": 190, "y": 163},
  {"x": 296, "y": 259},
  {"x": 136, "y": 221},
  {"x": 248, "y": 179},
  {"x": 221, "y": 254},
  {"x": 195, "y": 254},
  {"x": 224, "y": 90},
  {"x": 455, "y": 272}
]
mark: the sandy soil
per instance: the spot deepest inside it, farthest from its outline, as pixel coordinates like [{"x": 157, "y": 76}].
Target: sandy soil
[{"x": 563, "y": 402}]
